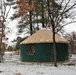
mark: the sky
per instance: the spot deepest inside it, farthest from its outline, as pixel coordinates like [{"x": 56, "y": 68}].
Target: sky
[
  {"x": 13, "y": 30},
  {"x": 13, "y": 27},
  {"x": 70, "y": 28}
]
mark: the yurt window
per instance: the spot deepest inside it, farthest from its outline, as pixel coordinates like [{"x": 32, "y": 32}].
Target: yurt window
[{"x": 30, "y": 50}]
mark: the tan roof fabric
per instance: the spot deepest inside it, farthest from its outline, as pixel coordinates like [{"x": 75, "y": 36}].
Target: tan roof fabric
[{"x": 43, "y": 36}]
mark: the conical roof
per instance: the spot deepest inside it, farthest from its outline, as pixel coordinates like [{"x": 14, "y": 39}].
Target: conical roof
[{"x": 43, "y": 36}]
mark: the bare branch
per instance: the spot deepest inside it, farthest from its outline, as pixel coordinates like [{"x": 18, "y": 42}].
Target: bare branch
[
  {"x": 65, "y": 10},
  {"x": 65, "y": 25},
  {"x": 8, "y": 12}
]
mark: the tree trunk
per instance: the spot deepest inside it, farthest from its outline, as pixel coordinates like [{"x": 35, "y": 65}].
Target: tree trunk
[
  {"x": 43, "y": 15},
  {"x": 31, "y": 30},
  {"x": 53, "y": 30},
  {"x": 54, "y": 50},
  {"x": 54, "y": 43},
  {"x": 1, "y": 51}
]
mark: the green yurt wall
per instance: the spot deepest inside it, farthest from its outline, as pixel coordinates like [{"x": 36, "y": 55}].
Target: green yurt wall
[{"x": 44, "y": 53}]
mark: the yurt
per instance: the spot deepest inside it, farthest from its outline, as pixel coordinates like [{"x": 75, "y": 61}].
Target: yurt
[{"x": 39, "y": 48}]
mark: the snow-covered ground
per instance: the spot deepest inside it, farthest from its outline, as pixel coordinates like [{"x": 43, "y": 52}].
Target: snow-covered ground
[{"x": 13, "y": 66}]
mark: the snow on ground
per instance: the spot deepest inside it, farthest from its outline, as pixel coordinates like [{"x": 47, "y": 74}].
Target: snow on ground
[{"x": 13, "y": 66}]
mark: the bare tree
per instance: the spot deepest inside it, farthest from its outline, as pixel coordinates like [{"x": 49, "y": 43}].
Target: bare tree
[
  {"x": 71, "y": 37},
  {"x": 4, "y": 11},
  {"x": 58, "y": 14}
]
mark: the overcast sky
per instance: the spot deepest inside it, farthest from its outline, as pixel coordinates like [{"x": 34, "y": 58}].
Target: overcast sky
[
  {"x": 12, "y": 25},
  {"x": 13, "y": 30},
  {"x": 70, "y": 28}
]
